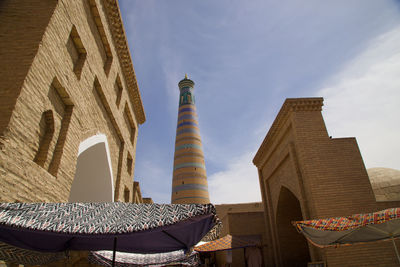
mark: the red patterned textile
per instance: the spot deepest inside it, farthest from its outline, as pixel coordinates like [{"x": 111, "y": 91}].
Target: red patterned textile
[
  {"x": 225, "y": 243},
  {"x": 351, "y": 222}
]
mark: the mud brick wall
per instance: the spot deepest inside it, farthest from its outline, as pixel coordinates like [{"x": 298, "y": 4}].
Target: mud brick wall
[
  {"x": 306, "y": 174},
  {"x": 65, "y": 78}
]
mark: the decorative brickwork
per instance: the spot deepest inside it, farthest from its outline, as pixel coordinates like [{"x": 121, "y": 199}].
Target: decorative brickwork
[
  {"x": 100, "y": 35},
  {"x": 120, "y": 42}
]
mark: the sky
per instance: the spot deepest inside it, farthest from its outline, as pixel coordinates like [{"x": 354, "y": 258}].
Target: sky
[{"x": 246, "y": 58}]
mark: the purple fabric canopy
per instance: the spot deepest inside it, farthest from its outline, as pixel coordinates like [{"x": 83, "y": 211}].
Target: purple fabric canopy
[{"x": 139, "y": 228}]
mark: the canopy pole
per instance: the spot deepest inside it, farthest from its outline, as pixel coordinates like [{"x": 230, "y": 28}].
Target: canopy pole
[
  {"x": 395, "y": 249},
  {"x": 114, "y": 251},
  {"x": 244, "y": 256}
]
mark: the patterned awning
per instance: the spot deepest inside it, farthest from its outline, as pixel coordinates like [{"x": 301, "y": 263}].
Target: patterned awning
[
  {"x": 225, "y": 243},
  {"x": 357, "y": 228},
  {"x": 105, "y": 257},
  {"x": 139, "y": 228}
]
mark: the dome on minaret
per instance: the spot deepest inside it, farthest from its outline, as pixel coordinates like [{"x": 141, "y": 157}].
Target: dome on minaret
[
  {"x": 189, "y": 179},
  {"x": 186, "y": 82}
]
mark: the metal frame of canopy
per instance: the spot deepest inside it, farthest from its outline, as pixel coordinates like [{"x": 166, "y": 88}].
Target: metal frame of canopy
[
  {"x": 140, "y": 228},
  {"x": 358, "y": 228}
]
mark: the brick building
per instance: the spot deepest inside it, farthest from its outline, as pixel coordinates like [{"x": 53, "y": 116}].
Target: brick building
[
  {"x": 69, "y": 103},
  {"x": 305, "y": 174},
  {"x": 243, "y": 220}
]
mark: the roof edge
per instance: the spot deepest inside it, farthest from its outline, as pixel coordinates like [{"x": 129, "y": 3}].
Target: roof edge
[
  {"x": 290, "y": 105},
  {"x": 125, "y": 59}
]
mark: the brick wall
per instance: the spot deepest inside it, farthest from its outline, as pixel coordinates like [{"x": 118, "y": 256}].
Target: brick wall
[
  {"x": 242, "y": 219},
  {"x": 22, "y": 28},
  {"x": 42, "y": 44},
  {"x": 324, "y": 176}
]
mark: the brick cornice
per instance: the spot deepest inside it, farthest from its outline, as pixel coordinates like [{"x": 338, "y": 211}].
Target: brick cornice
[
  {"x": 121, "y": 45},
  {"x": 290, "y": 105}
]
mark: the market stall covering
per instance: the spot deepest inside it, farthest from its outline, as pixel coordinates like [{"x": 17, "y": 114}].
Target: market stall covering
[
  {"x": 358, "y": 228},
  {"x": 38, "y": 233},
  {"x": 225, "y": 243},
  {"x": 105, "y": 258}
]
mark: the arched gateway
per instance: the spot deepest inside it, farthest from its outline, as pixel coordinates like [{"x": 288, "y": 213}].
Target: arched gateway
[
  {"x": 93, "y": 181},
  {"x": 305, "y": 174},
  {"x": 293, "y": 247}
]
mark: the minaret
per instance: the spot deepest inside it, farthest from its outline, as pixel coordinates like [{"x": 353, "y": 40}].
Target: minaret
[{"x": 189, "y": 182}]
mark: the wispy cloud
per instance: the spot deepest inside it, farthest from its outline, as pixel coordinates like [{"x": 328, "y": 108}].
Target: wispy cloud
[
  {"x": 237, "y": 183},
  {"x": 363, "y": 101},
  {"x": 153, "y": 182},
  {"x": 245, "y": 59},
  {"x": 172, "y": 71}
]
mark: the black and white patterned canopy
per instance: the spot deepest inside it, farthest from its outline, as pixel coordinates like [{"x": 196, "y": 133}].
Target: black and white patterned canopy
[
  {"x": 139, "y": 228},
  {"x": 97, "y": 218},
  {"x": 179, "y": 257}
]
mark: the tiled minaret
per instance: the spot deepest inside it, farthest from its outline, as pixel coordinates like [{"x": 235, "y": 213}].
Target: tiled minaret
[{"x": 189, "y": 182}]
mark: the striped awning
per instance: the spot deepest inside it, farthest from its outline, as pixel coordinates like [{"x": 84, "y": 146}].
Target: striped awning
[
  {"x": 375, "y": 226},
  {"x": 225, "y": 243}
]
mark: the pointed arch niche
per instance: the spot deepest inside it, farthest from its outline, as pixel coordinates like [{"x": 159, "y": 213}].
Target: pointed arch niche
[
  {"x": 293, "y": 246},
  {"x": 93, "y": 181}
]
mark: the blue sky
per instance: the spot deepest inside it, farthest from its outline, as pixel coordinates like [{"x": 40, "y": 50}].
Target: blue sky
[{"x": 246, "y": 58}]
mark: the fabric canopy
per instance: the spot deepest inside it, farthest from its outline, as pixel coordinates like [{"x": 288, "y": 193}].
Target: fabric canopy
[
  {"x": 139, "y": 228},
  {"x": 358, "y": 228},
  {"x": 225, "y": 243},
  {"x": 105, "y": 257}
]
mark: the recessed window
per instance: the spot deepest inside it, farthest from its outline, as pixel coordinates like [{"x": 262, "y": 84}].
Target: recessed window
[
  {"x": 98, "y": 31},
  {"x": 126, "y": 194},
  {"x": 118, "y": 91},
  {"x": 77, "y": 51},
  {"x": 130, "y": 123},
  {"x": 63, "y": 106},
  {"x": 45, "y": 136},
  {"x": 129, "y": 163}
]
